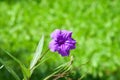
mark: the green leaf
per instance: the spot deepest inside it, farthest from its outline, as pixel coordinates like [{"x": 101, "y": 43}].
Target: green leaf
[
  {"x": 25, "y": 71},
  {"x": 62, "y": 68},
  {"x": 1, "y": 66},
  {"x": 55, "y": 72},
  {"x": 37, "y": 54},
  {"x": 10, "y": 70},
  {"x": 37, "y": 65}
]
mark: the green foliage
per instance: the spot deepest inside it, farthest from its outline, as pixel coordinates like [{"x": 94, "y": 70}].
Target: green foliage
[
  {"x": 10, "y": 70},
  {"x": 61, "y": 70},
  {"x": 37, "y": 54},
  {"x": 26, "y": 72},
  {"x": 95, "y": 25}
]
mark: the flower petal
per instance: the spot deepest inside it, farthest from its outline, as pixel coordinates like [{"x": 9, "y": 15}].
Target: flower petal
[
  {"x": 55, "y": 34},
  {"x": 64, "y": 50},
  {"x": 66, "y": 34},
  {"x": 53, "y": 46},
  {"x": 71, "y": 43}
]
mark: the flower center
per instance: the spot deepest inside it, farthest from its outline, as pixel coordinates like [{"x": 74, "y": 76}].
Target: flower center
[{"x": 60, "y": 42}]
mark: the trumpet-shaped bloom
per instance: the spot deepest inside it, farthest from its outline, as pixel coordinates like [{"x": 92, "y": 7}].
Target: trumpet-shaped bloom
[{"x": 62, "y": 42}]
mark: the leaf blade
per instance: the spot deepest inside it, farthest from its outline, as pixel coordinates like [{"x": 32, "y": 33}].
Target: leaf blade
[
  {"x": 1, "y": 66},
  {"x": 25, "y": 71},
  {"x": 37, "y": 52},
  {"x": 10, "y": 70}
]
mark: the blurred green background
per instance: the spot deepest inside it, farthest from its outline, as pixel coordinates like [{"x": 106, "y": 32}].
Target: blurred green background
[{"x": 95, "y": 25}]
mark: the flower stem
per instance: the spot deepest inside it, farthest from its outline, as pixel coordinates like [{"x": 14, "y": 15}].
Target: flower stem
[
  {"x": 44, "y": 54},
  {"x": 37, "y": 64}
]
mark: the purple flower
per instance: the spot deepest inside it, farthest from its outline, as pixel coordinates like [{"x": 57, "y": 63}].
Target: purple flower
[{"x": 62, "y": 42}]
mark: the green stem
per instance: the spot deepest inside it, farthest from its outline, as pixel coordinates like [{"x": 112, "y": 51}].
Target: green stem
[
  {"x": 26, "y": 78},
  {"x": 32, "y": 69},
  {"x": 44, "y": 54}
]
